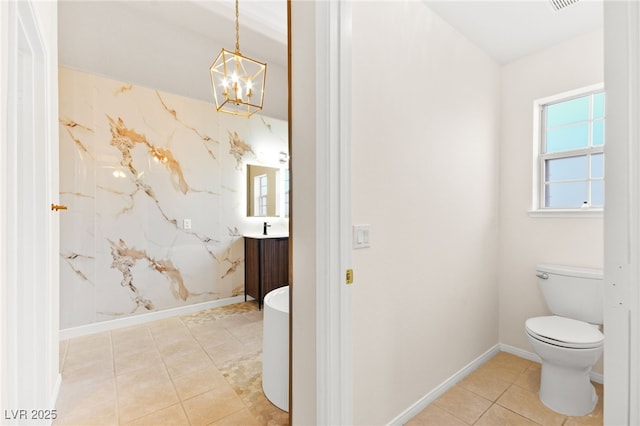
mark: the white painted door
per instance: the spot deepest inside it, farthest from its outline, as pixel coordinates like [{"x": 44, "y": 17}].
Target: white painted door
[{"x": 29, "y": 250}]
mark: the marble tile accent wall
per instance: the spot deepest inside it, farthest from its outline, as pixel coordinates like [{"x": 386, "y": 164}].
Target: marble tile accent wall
[{"x": 134, "y": 163}]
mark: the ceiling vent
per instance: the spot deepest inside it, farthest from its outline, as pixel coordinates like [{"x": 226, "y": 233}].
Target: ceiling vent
[{"x": 561, "y": 4}]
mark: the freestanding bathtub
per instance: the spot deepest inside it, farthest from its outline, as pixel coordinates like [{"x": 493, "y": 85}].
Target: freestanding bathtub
[{"x": 275, "y": 347}]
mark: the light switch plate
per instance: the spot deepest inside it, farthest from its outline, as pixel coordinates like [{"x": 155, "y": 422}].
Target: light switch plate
[
  {"x": 361, "y": 236},
  {"x": 186, "y": 224}
]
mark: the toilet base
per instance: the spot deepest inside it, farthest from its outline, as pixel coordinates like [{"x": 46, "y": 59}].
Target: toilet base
[{"x": 566, "y": 390}]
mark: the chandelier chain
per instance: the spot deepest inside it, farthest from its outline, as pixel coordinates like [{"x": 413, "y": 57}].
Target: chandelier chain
[
  {"x": 237, "y": 30},
  {"x": 237, "y": 81}
]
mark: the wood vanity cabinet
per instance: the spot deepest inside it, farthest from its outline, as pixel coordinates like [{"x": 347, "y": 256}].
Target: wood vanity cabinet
[{"x": 266, "y": 265}]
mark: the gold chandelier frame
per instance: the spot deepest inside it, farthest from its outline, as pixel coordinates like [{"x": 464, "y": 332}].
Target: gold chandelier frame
[{"x": 238, "y": 81}]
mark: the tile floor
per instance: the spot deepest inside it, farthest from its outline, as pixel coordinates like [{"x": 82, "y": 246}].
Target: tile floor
[
  {"x": 205, "y": 369},
  {"x": 503, "y": 391},
  {"x": 199, "y": 369}
]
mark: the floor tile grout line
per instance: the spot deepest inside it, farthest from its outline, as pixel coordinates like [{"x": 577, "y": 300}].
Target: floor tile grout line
[
  {"x": 510, "y": 384},
  {"x": 513, "y": 411},
  {"x": 483, "y": 413},
  {"x": 482, "y": 396},
  {"x": 213, "y": 362},
  {"x": 208, "y": 355},
  {"x": 453, "y": 414},
  {"x": 196, "y": 339},
  {"x": 115, "y": 380},
  {"x": 523, "y": 414},
  {"x": 248, "y": 408},
  {"x": 173, "y": 383},
  {"x": 147, "y": 329}
]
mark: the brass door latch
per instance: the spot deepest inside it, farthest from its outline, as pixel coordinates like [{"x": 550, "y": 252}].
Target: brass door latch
[{"x": 57, "y": 207}]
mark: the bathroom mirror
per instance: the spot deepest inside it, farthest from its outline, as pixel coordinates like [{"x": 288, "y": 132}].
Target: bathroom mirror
[{"x": 263, "y": 191}]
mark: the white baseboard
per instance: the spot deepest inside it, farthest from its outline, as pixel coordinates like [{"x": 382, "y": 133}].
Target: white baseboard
[
  {"x": 98, "y": 327},
  {"x": 595, "y": 377},
  {"x": 520, "y": 352},
  {"x": 422, "y": 403}
]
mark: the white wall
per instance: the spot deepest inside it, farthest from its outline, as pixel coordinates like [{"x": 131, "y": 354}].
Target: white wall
[
  {"x": 129, "y": 194},
  {"x": 425, "y": 177},
  {"x": 526, "y": 241}
]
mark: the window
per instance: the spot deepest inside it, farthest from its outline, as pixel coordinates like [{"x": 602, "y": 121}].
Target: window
[
  {"x": 260, "y": 202},
  {"x": 570, "y": 154}
]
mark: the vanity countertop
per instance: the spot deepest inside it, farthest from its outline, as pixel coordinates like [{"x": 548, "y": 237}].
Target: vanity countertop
[{"x": 262, "y": 236}]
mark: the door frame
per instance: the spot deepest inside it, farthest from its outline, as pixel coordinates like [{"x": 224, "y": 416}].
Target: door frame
[
  {"x": 622, "y": 215},
  {"x": 333, "y": 193},
  {"x": 321, "y": 361},
  {"x": 29, "y": 253}
]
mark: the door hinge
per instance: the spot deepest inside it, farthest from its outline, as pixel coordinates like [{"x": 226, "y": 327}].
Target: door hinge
[{"x": 349, "y": 276}]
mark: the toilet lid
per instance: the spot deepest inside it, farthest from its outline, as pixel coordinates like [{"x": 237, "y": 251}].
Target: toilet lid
[{"x": 565, "y": 332}]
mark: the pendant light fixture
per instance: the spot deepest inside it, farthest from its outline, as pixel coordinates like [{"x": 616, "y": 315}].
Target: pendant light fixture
[{"x": 238, "y": 82}]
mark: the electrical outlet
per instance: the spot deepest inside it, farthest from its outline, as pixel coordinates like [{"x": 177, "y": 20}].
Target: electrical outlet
[{"x": 186, "y": 223}]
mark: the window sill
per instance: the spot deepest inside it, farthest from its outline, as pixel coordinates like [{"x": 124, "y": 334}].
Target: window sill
[{"x": 568, "y": 213}]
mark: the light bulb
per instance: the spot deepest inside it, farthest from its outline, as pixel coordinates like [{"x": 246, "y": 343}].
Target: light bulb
[{"x": 249, "y": 89}]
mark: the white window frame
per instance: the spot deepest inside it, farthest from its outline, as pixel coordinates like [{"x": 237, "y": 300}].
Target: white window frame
[{"x": 538, "y": 209}]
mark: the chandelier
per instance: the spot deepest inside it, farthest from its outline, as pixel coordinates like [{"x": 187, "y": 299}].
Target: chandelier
[{"x": 238, "y": 81}]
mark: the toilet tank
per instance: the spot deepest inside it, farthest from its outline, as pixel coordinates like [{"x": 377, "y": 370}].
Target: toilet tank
[{"x": 573, "y": 292}]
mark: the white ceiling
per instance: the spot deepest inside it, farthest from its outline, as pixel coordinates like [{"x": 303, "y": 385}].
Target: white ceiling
[
  {"x": 215, "y": 19},
  {"x": 169, "y": 44},
  {"x": 509, "y": 30}
]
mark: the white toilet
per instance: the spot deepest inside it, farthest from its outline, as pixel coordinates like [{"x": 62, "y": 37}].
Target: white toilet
[{"x": 569, "y": 342}]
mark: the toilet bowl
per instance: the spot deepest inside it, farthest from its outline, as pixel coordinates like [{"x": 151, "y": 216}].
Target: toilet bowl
[
  {"x": 569, "y": 342},
  {"x": 568, "y": 348}
]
